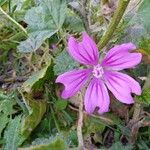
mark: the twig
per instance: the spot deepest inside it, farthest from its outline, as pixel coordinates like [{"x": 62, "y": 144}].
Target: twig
[
  {"x": 114, "y": 23},
  {"x": 80, "y": 123},
  {"x": 13, "y": 21}
]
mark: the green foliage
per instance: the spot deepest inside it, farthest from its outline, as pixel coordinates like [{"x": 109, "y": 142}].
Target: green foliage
[
  {"x": 63, "y": 62},
  {"x": 12, "y": 134},
  {"x": 6, "y": 103},
  {"x": 6, "y": 109},
  {"x": 8, "y": 35},
  {"x": 144, "y": 98},
  {"x": 73, "y": 22},
  {"x": 119, "y": 146},
  {"x": 43, "y": 116},
  {"x": 144, "y": 13},
  {"x": 37, "y": 80},
  {"x": 43, "y": 22},
  {"x": 143, "y": 145},
  {"x": 145, "y": 44},
  {"x": 36, "y": 109},
  {"x": 138, "y": 24},
  {"x": 61, "y": 104},
  {"x": 4, "y": 120},
  {"x": 56, "y": 143},
  {"x": 93, "y": 125}
]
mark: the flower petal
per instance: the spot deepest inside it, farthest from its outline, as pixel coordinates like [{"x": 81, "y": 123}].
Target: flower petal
[
  {"x": 96, "y": 96},
  {"x": 134, "y": 85},
  {"x": 73, "y": 81},
  {"x": 119, "y": 57},
  {"x": 121, "y": 86},
  {"x": 85, "y": 52}
]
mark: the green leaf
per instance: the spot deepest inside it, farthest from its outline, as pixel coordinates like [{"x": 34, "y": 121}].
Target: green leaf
[
  {"x": 37, "y": 80},
  {"x": 63, "y": 62},
  {"x": 144, "y": 98},
  {"x": 143, "y": 145},
  {"x": 138, "y": 24},
  {"x": 6, "y": 107},
  {"x": 36, "y": 109},
  {"x": 94, "y": 125},
  {"x": 12, "y": 134},
  {"x": 48, "y": 144},
  {"x": 3, "y": 120},
  {"x": 119, "y": 146},
  {"x": 144, "y": 14},
  {"x": 43, "y": 22},
  {"x": 61, "y": 104},
  {"x": 73, "y": 22},
  {"x": 7, "y": 103}
]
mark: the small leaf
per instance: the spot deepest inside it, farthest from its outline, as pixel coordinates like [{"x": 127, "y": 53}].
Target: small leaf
[
  {"x": 36, "y": 109},
  {"x": 93, "y": 125},
  {"x": 37, "y": 80},
  {"x": 6, "y": 109},
  {"x": 11, "y": 134},
  {"x": 48, "y": 144},
  {"x": 61, "y": 104},
  {"x": 3, "y": 122},
  {"x": 43, "y": 22},
  {"x": 63, "y": 63},
  {"x": 144, "y": 98},
  {"x": 119, "y": 146},
  {"x": 73, "y": 22}
]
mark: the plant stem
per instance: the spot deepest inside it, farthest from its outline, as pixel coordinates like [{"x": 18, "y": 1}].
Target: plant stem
[
  {"x": 13, "y": 21},
  {"x": 114, "y": 23},
  {"x": 80, "y": 123},
  {"x": 55, "y": 120},
  {"x": 147, "y": 83},
  {"x": 84, "y": 15},
  {"x": 63, "y": 37}
]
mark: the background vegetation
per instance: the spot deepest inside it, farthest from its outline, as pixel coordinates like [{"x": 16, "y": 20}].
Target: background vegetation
[{"x": 33, "y": 42}]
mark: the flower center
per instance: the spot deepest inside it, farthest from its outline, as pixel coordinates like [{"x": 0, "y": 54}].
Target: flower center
[{"x": 98, "y": 71}]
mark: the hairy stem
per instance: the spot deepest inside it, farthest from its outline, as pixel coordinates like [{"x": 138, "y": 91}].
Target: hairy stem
[
  {"x": 80, "y": 123},
  {"x": 114, "y": 23},
  {"x": 13, "y": 21}
]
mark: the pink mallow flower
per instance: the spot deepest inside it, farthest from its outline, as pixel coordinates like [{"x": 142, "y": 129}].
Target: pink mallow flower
[{"x": 102, "y": 74}]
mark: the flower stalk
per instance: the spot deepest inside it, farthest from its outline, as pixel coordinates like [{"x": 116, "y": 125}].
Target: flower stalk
[
  {"x": 13, "y": 21},
  {"x": 80, "y": 123},
  {"x": 114, "y": 23}
]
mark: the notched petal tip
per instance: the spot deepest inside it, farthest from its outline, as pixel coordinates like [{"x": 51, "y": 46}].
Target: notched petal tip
[
  {"x": 73, "y": 81},
  {"x": 122, "y": 57},
  {"x": 139, "y": 57},
  {"x": 101, "y": 112},
  {"x": 128, "y": 46},
  {"x": 85, "y": 52},
  {"x": 96, "y": 96},
  {"x": 122, "y": 85}
]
